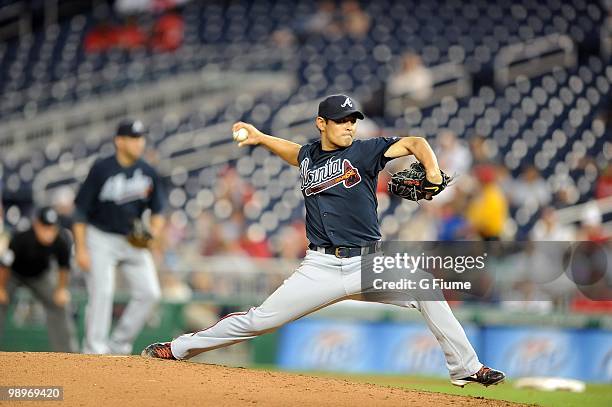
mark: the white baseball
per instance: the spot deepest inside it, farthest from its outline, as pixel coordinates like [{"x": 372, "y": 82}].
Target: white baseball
[{"x": 241, "y": 135}]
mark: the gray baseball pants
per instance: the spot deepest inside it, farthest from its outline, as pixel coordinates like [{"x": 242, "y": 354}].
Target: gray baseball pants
[
  {"x": 60, "y": 325},
  {"x": 108, "y": 252},
  {"x": 322, "y": 280}
]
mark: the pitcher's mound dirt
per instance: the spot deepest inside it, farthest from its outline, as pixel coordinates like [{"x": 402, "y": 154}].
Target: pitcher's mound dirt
[{"x": 135, "y": 381}]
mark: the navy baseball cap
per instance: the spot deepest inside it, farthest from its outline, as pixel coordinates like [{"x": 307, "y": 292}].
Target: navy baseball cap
[
  {"x": 47, "y": 216},
  {"x": 131, "y": 128},
  {"x": 339, "y": 106}
]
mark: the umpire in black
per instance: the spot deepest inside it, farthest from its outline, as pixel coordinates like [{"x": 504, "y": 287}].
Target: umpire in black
[{"x": 31, "y": 257}]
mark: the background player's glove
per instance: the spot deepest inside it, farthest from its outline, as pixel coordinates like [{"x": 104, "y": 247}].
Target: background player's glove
[
  {"x": 139, "y": 236},
  {"x": 412, "y": 184}
]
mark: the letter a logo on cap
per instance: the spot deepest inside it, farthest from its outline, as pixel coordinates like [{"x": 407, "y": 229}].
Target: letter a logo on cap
[
  {"x": 137, "y": 127},
  {"x": 347, "y": 102}
]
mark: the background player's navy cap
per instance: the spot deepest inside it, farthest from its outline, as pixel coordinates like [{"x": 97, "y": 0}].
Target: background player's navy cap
[
  {"x": 47, "y": 216},
  {"x": 131, "y": 128},
  {"x": 338, "y": 106}
]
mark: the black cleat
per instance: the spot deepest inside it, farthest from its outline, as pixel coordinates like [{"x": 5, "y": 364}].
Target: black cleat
[
  {"x": 485, "y": 376},
  {"x": 160, "y": 350}
]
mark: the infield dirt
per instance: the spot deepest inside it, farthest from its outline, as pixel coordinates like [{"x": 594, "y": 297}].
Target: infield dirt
[{"x": 135, "y": 381}]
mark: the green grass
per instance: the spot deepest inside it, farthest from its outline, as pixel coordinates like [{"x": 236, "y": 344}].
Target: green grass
[{"x": 595, "y": 395}]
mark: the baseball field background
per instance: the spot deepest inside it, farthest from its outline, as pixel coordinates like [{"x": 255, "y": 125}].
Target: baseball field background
[
  {"x": 91, "y": 380},
  {"x": 301, "y": 352}
]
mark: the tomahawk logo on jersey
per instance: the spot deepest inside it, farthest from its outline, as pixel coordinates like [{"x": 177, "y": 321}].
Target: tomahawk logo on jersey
[{"x": 332, "y": 173}]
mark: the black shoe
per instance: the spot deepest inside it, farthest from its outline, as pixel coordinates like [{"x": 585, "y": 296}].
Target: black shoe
[
  {"x": 485, "y": 376},
  {"x": 160, "y": 350}
]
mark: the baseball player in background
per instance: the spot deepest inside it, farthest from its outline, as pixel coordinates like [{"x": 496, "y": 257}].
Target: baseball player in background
[
  {"x": 109, "y": 204},
  {"x": 30, "y": 260},
  {"x": 339, "y": 177}
]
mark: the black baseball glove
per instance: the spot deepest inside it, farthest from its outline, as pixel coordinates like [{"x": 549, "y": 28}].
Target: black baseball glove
[
  {"x": 140, "y": 236},
  {"x": 412, "y": 184}
]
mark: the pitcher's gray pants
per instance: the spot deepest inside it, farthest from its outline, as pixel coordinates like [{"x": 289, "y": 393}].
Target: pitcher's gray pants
[
  {"x": 322, "y": 280},
  {"x": 60, "y": 325},
  {"x": 109, "y": 251}
]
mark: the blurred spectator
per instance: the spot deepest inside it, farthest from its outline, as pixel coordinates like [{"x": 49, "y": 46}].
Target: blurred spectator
[
  {"x": 453, "y": 223},
  {"x": 254, "y": 242},
  {"x": 481, "y": 151},
  {"x": 603, "y": 187},
  {"x": 283, "y": 39},
  {"x": 591, "y": 227},
  {"x": 202, "y": 282},
  {"x": 530, "y": 189},
  {"x": 101, "y": 38},
  {"x": 174, "y": 289},
  {"x": 168, "y": 33},
  {"x": 292, "y": 241},
  {"x": 547, "y": 228},
  {"x": 526, "y": 296},
  {"x": 323, "y": 21},
  {"x": 454, "y": 157},
  {"x": 421, "y": 226},
  {"x": 166, "y": 249},
  {"x": 413, "y": 79},
  {"x": 130, "y": 36},
  {"x": 487, "y": 212},
  {"x": 231, "y": 186},
  {"x": 356, "y": 22},
  {"x": 566, "y": 195},
  {"x": 207, "y": 232},
  {"x": 504, "y": 179},
  {"x": 231, "y": 232},
  {"x": 106, "y": 36}
]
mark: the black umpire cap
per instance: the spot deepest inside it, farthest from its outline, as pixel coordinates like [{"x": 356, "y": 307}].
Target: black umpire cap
[
  {"x": 339, "y": 106},
  {"x": 47, "y": 216},
  {"x": 131, "y": 128}
]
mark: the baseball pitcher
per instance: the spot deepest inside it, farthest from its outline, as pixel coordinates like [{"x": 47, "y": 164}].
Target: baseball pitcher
[{"x": 338, "y": 181}]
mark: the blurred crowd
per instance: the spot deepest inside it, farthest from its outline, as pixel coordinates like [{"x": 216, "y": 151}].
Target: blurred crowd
[
  {"x": 160, "y": 32},
  {"x": 332, "y": 20},
  {"x": 485, "y": 194}
]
